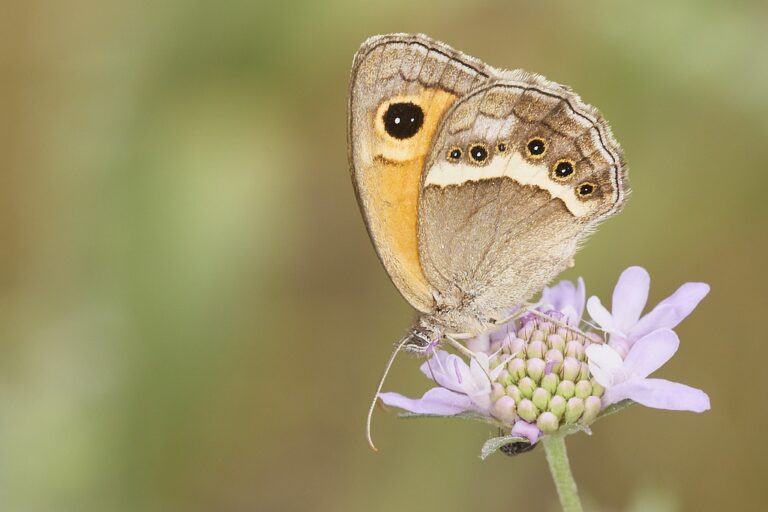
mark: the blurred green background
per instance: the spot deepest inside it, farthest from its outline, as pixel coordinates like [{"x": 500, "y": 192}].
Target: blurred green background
[{"x": 192, "y": 317}]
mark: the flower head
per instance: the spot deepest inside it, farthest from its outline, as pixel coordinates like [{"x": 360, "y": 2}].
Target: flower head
[
  {"x": 540, "y": 373},
  {"x": 537, "y": 382}
]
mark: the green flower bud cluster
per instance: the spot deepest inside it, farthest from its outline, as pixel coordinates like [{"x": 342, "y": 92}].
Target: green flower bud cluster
[{"x": 546, "y": 380}]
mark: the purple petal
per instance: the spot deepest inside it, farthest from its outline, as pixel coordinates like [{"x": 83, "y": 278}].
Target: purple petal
[
  {"x": 659, "y": 394},
  {"x": 629, "y": 297},
  {"x": 527, "y": 430},
  {"x": 672, "y": 310},
  {"x": 438, "y": 401},
  {"x": 441, "y": 368},
  {"x": 650, "y": 352}
]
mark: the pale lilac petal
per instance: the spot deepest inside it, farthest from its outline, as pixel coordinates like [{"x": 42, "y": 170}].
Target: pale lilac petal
[
  {"x": 438, "y": 401},
  {"x": 601, "y": 315},
  {"x": 629, "y": 297},
  {"x": 672, "y": 310},
  {"x": 580, "y": 298},
  {"x": 446, "y": 369},
  {"x": 567, "y": 298},
  {"x": 659, "y": 394},
  {"x": 605, "y": 364},
  {"x": 558, "y": 296},
  {"x": 480, "y": 343},
  {"x": 620, "y": 344},
  {"x": 527, "y": 430},
  {"x": 650, "y": 352}
]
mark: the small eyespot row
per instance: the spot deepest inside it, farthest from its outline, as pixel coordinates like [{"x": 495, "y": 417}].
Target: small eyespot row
[{"x": 478, "y": 153}]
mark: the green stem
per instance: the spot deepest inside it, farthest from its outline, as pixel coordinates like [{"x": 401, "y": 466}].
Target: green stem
[{"x": 557, "y": 457}]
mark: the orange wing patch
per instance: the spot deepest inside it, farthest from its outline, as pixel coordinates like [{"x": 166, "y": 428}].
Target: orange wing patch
[{"x": 390, "y": 185}]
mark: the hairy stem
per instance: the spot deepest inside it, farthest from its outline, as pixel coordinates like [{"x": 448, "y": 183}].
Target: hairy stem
[{"x": 557, "y": 457}]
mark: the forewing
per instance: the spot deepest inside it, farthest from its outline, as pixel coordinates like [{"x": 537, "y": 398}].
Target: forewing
[{"x": 401, "y": 88}]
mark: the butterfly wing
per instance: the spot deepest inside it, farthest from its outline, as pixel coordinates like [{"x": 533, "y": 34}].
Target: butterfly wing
[
  {"x": 520, "y": 173},
  {"x": 401, "y": 87}
]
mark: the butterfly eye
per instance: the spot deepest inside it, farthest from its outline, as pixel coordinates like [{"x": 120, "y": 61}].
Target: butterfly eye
[
  {"x": 454, "y": 154},
  {"x": 479, "y": 153},
  {"x": 537, "y": 147},
  {"x": 586, "y": 189},
  {"x": 403, "y": 120},
  {"x": 501, "y": 147},
  {"x": 562, "y": 169}
]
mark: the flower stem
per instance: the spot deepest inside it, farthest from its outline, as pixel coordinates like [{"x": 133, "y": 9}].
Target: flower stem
[{"x": 557, "y": 457}]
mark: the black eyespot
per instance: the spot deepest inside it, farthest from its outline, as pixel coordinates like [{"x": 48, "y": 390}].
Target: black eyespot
[
  {"x": 501, "y": 147},
  {"x": 454, "y": 154},
  {"x": 563, "y": 169},
  {"x": 403, "y": 120},
  {"x": 536, "y": 147},
  {"x": 478, "y": 153},
  {"x": 586, "y": 188}
]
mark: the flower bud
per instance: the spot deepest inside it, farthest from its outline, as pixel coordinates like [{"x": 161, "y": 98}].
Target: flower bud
[
  {"x": 516, "y": 368},
  {"x": 541, "y": 398},
  {"x": 584, "y": 372},
  {"x": 583, "y": 389},
  {"x": 526, "y": 386},
  {"x": 514, "y": 392},
  {"x": 497, "y": 391},
  {"x": 571, "y": 368},
  {"x": 504, "y": 409},
  {"x": 550, "y": 382},
  {"x": 557, "y": 406},
  {"x": 575, "y": 349},
  {"x": 574, "y": 409},
  {"x": 566, "y": 389},
  {"x": 538, "y": 335},
  {"x": 536, "y": 368},
  {"x": 527, "y": 410},
  {"x": 564, "y": 333},
  {"x": 516, "y": 347},
  {"x": 536, "y": 349},
  {"x": 592, "y": 406},
  {"x": 548, "y": 423},
  {"x": 554, "y": 359},
  {"x": 597, "y": 389},
  {"x": 526, "y": 330},
  {"x": 556, "y": 342},
  {"x": 504, "y": 377}
]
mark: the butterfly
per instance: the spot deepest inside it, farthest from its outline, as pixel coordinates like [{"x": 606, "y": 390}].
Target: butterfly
[{"x": 477, "y": 185}]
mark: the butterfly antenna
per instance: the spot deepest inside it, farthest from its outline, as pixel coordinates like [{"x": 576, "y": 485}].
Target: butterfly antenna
[{"x": 399, "y": 347}]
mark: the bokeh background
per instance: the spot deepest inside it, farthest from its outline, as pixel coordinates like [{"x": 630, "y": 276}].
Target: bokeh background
[{"x": 192, "y": 317}]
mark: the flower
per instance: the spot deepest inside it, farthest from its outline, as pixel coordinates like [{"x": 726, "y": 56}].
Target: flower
[
  {"x": 626, "y": 378},
  {"x": 624, "y": 323}
]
